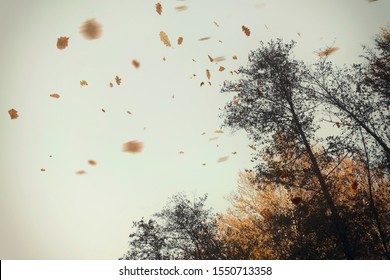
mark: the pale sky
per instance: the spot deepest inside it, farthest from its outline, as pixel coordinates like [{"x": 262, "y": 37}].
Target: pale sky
[{"x": 57, "y": 214}]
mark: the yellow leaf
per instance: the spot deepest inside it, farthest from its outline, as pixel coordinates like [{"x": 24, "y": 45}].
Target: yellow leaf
[
  {"x": 218, "y": 131},
  {"x": 91, "y": 29},
  {"x": 135, "y": 63},
  {"x": 179, "y": 40},
  {"x": 164, "y": 38},
  {"x": 208, "y": 74},
  {"x": 118, "y": 80},
  {"x": 181, "y": 8},
  {"x": 62, "y": 42},
  {"x": 133, "y": 146},
  {"x": 55, "y": 95},
  {"x": 13, "y": 114},
  {"x": 159, "y": 8},
  {"x": 328, "y": 51},
  {"x": 246, "y": 30},
  {"x": 83, "y": 83}
]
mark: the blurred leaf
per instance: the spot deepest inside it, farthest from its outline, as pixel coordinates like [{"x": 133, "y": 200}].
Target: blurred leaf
[
  {"x": 83, "y": 83},
  {"x": 181, "y": 8},
  {"x": 208, "y": 74},
  {"x": 135, "y": 63},
  {"x": 91, "y": 29},
  {"x": 328, "y": 51},
  {"x": 81, "y": 172},
  {"x": 179, "y": 40},
  {"x": 55, "y": 95},
  {"x": 118, "y": 80},
  {"x": 133, "y": 146},
  {"x": 222, "y": 159},
  {"x": 13, "y": 114},
  {"x": 204, "y": 39},
  {"x": 92, "y": 162},
  {"x": 221, "y": 68},
  {"x": 159, "y": 8}
]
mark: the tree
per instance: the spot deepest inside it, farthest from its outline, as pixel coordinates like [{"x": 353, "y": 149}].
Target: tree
[
  {"x": 274, "y": 101},
  {"x": 181, "y": 230}
]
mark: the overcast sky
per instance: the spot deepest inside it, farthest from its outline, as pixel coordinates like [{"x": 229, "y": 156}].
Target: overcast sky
[{"x": 58, "y": 214}]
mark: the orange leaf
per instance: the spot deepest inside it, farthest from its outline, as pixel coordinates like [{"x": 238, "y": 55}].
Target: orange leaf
[
  {"x": 246, "y": 30},
  {"x": 55, "y": 95},
  {"x": 133, "y": 146},
  {"x": 13, "y": 114},
  {"x": 92, "y": 162},
  {"x": 62, "y": 43},
  {"x": 181, "y": 8},
  {"x": 91, "y": 29},
  {"x": 179, "y": 40},
  {"x": 135, "y": 63},
  {"x": 221, "y": 68},
  {"x": 81, "y": 172},
  {"x": 159, "y": 8},
  {"x": 208, "y": 74},
  {"x": 164, "y": 38},
  {"x": 328, "y": 51},
  {"x": 222, "y": 159},
  {"x": 118, "y": 80}
]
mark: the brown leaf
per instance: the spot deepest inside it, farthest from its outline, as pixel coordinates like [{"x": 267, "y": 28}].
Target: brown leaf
[
  {"x": 204, "y": 39},
  {"x": 208, "y": 74},
  {"x": 222, "y": 159},
  {"x": 181, "y": 152},
  {"x": 337, "y": 124},
  {"x": 221, "y": 68},
  {"x": 111, "y": 85},
  {"x": 55, "y": 95},
  {"x": 83, "y": 83},
  {"x": 135, "y": 63},
  {"x": 103, "y": 110},
  {"x": 159, "y": 8},
  {"x": 179, "y": 40},
  {"x": 43, "y": 169},
  {"x": 62, "y": 42},
  {"x": 129, "y": 112},
  {"x": 210, "y": 58},
  {"x": 92, "y": 162},
  {"x": 91, "y": 29},
  {"x": 328, "y": 51},
  {"x": 164, "y": 59},
  {"x": 80, "y": 172},
  {"x": 246, "y": 30},
  {"x": 216, "y": 23},
  {"x": 181, "y": 8},
  {"x": 202, "y": 83},
  {"x": 133, "y": 146},
  {"x": 234, "y": 57},
  {"x": 118, "y": 80},
  {"x": 296, "y": 200},
  {"x": 164, "y": 38},
  {"x": 13, "y": 114}
]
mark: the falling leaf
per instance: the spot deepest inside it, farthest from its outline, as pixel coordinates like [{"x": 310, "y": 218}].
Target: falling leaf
[
  {"x": 234, "y": 57},
  {"x": 133, "y": 146},
  {"x": 213, "y": 138},
  {"x": 252, "y": 147},
  {"x": 219, "y": 58},
  {"x": 299, "y": 34},
  {"x": 337, "y": 124},
  {"x": 83, "y": 83},
  {"x": 159, "y": 8},
  {"x": 129, "y": 112},
  {"x": 328, "y": 51},
  {"x": 111, "y": 85},
  {"x": 43, "y": 169},
  {"x": 218, "y": 131},
  {"x": 118, "y": 80},
  {"x": 220, "y": 41},
  {"x": 202, "y": 83},
  {"x": 204, "y": 39},
  {"x": 91, "y": 29},
  {"x": 221, "y": 68},
  {"x": 234, "y": 153},
  {"x": 181, "y": 8},
  {"x": 181, "y": 152},
  {"x": 92, "y": 162},
  {"x": 164, "y": 38},
  {"x": 209, "y": 83},
  {"x": 347, "y": 124},
  {"x": 370, "y": 1},
  {"x": 222, "y": 159},
  {"x": 135, "y": 63},
  {"x": 203, "y": 133},
  {"x": 246, "y": 30},
  {"x": 266, "y": 26},
  {"x": 103, "y": 110},
  {"x": 216, "y": 23},
  {"x": 179, "y": 40},
  {"x": 236, "y": 101},
  {"x": 193, "y": 60},
  {"x": 55, "y": 95},
  {"x": 62, "y": 43},
  {"x": 208, "y": 74},
  {"x": 354, "y": 185},
  {"x": 164, "y": 59},
  {"x": 81, "y": 172},
  {"x": 204, "y": 164},
  {"x": 13, "y": 114},
  {"x": 296, "y": 200},
  {"x": 210, "y": 58}
]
